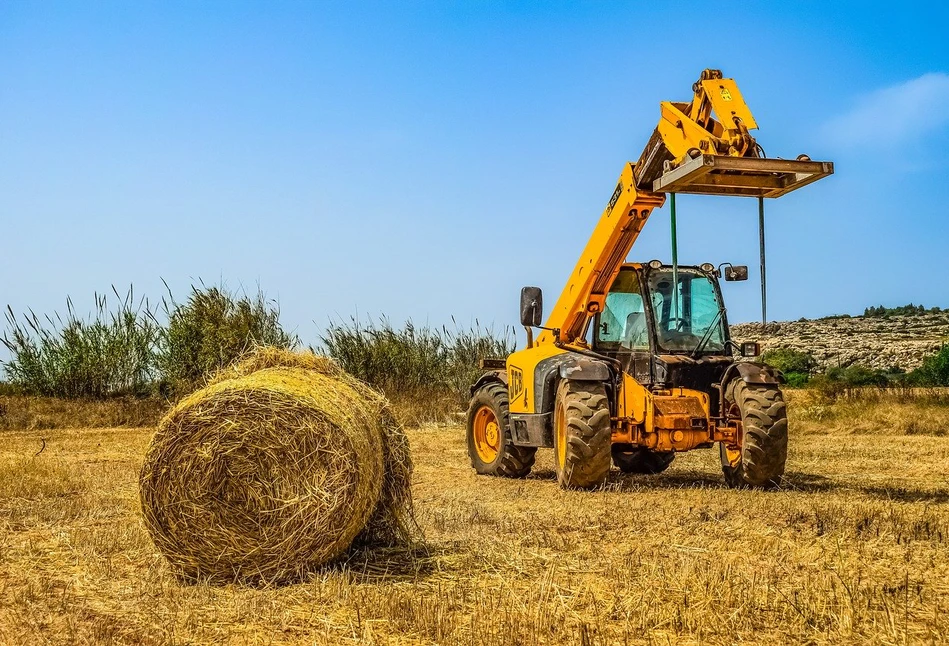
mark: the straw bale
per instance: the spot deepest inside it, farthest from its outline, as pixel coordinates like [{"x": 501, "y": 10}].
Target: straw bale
[{"x": 279, "y": 465}]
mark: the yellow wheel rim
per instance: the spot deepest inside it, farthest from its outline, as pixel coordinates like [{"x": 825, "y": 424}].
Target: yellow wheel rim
[
  {"x": 733, "y": 455},
  {"x": 560, "y": 428},
  {"x": 487, "y": 435}
]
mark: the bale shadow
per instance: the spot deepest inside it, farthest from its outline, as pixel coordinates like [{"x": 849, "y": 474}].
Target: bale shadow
[{"x": 402, "y": 563}]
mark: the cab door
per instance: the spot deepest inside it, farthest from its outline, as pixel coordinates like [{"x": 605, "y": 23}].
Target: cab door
[{"x": 622, "y": 329}]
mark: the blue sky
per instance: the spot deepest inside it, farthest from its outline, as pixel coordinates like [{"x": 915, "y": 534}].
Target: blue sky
[{"x": 426, "y": 160}]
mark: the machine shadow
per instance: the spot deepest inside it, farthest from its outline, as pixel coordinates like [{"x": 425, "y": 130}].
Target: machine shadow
[
  {"x": 800, "y": 481},
  {"x": 618, "y": 481},
  {"x": 794, "y": 482}
]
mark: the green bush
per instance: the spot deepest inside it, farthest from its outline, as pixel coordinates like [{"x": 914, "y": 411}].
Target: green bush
[
  {"x": 211, "y": 330},
  {"x": 934, "y": 371},
  {"x": 419, "y": 362},
  {"x": 796, "y": 365},
  {"x": 112, "y": 353},
  {"x": 796, "y": 379},
  {"x": 790, "y": 360}
]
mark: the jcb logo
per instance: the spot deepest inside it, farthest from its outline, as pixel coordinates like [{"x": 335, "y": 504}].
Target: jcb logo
[
  {"x": 516, "y": 387},
  {"x": 615, "y": 197}
]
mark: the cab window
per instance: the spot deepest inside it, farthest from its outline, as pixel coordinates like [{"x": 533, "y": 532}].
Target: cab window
[{"x": 622, "y": 323}]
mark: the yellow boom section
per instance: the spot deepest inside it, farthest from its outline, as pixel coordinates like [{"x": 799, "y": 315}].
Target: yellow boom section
[
  {"x": 690, "y": 151},
  {"x": 617, "y": 230}
]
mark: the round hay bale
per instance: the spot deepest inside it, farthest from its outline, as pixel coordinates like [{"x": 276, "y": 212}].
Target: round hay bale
[{"x": 277, "y": 466}]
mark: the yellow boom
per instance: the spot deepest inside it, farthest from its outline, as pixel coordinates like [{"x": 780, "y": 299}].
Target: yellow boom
[{"x": 686, "y": 132}]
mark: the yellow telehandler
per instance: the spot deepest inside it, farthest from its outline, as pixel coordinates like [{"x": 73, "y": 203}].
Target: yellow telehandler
[{"x": 635, "y": 362}]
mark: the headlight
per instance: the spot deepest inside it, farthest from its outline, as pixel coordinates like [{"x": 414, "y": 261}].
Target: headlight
[
  {"x": 655, "y": 264},
  {"x": 750, "y": 349},
  {"x": 707, "y": 267}
]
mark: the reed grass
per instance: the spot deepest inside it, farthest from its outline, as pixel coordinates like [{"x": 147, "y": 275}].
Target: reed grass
[
  {"x": 426, "y": 371},
  {"x": 212, "y": 329},
  {"x": 110, "y": 353}
]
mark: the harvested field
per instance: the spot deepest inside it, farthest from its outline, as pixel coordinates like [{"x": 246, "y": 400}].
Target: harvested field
[{"x": 856, "y": 549}]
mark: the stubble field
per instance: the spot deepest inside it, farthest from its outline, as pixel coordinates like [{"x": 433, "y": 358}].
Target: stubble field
[{"x": 854, "y": 549}]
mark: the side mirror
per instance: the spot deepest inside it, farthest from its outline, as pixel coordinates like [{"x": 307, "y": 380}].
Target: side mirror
[
  {"x": 736, "y": 272},
  {"x": 532, "y": 307}
]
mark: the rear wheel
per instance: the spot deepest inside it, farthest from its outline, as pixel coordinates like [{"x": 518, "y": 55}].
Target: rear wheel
[
  {"x": 581, "y": 434},
  {"x": 760, "y": 459},
  {"x": 639, "y": 460},
  {"x": 490, "y": 446}
]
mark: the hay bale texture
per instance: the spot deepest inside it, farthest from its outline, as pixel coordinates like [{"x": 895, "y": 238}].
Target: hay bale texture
[{"x": 279, "y": 465}]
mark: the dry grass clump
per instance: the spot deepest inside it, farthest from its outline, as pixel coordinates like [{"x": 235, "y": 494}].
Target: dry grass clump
[
  {"x": 276, "y": 467},
  {"x": 898, "y": 412}
]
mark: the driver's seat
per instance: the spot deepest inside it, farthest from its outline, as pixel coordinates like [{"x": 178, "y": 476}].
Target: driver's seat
[{"x": 634, "y": 334}]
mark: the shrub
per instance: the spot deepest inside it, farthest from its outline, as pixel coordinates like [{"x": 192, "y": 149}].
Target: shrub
[
  {"x": 934, "y": 371},
  {"x": 213, "y": 329},
  {"x": 790, "y": 360},
  {"x": 434, "y": 367},
  {"x": 796, "y": 379},
  {"x": 111, "y": 353},
  {"x": 796, "y": 365}
]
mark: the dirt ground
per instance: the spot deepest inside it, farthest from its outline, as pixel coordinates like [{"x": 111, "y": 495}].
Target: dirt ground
[{"x": 854, "y": 549}]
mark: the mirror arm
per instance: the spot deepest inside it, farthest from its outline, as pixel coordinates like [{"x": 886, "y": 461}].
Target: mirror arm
[
  {"x": 555, "y": 330},
  {"x": 530, "y": 336}
]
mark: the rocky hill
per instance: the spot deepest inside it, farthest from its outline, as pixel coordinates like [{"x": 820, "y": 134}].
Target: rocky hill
[{"x": 875, "y": 342}]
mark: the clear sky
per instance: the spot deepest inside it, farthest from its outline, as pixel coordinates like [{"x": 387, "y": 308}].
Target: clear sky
[{"x": 426, "y": 160}]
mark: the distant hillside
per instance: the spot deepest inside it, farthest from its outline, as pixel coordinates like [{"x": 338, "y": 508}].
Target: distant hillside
[{"x": 876, "y": 342}]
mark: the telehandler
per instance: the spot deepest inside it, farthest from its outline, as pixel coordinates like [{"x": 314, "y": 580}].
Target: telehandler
[{"x": 635, "y": 362}]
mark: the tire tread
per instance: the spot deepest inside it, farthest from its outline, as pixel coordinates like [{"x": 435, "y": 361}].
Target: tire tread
[
  {"x": 587, "y": 417},
  {"x": 764, "y": 449}
]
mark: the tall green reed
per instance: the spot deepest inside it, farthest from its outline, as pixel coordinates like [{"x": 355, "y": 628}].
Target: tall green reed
[{"x": 112, "y": 352}]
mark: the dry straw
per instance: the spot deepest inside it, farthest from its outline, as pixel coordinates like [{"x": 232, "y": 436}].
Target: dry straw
[{"x": 279, "y": 465}]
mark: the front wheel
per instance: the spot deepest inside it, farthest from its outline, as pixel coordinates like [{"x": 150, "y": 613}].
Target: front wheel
[
  {"x": 760, "y": 459},
  {"x": 490, "y": 446},
  {"x": 582, "y": 434}
]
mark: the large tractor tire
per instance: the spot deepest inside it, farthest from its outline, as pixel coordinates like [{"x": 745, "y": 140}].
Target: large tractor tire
[
  {"x": 490, "y": 446},
  {"x": 760, "y": 460},
  {"x": 581, "y": 434},
  {"x": 639, "y": 460}
]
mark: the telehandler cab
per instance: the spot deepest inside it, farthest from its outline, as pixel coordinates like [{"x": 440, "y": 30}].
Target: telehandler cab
[{"x": 635, "y": 362}]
